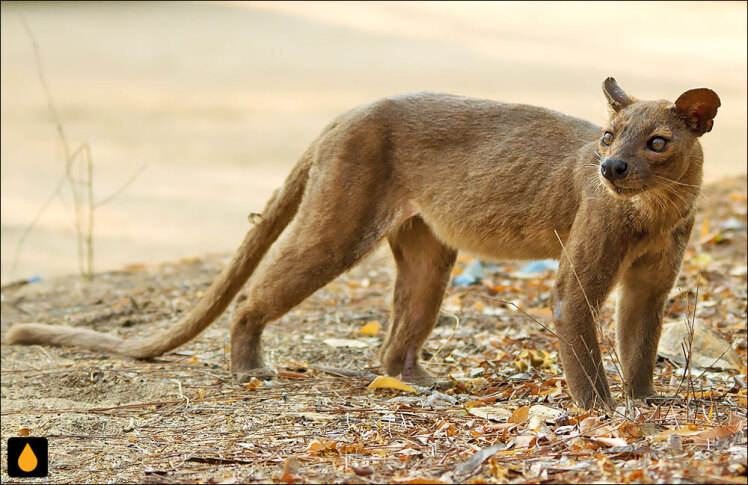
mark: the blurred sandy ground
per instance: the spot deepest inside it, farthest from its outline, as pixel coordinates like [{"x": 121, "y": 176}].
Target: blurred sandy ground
[{"x": 220, "y": 99}]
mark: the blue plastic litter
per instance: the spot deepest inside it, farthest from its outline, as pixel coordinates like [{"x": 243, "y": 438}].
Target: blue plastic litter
[
  {"x": 34, "y": 279},
  {"x": 541, "y": 266},
  {"x": 472, "y": 274},
  {"x": 463, "y": 280}
]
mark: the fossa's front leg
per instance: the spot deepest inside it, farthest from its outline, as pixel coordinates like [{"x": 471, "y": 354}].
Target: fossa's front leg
[
  {"x": 587, "y": 273},
  {"x": 645, "y": 286}
]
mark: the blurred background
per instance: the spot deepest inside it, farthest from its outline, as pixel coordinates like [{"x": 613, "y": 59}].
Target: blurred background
[{"x": 217, "y": 100}]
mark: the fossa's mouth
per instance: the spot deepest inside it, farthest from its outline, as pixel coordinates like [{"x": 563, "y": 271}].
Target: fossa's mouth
[{"x": 621, "y": 192}]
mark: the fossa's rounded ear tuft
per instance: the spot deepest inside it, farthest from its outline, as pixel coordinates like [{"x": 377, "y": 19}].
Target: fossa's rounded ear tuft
[
  {"x": 698, "y": 107},
  {"x": 617, "y": 98}
]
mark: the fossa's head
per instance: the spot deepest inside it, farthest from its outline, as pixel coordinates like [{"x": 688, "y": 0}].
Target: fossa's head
[{"x": 650, "y": 144}]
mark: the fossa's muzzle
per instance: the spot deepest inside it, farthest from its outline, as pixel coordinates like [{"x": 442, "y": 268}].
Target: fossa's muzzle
[{"x": 614, "y": 169}]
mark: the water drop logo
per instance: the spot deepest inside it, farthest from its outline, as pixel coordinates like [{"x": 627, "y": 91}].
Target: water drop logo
[
  {"x": 27, "y": 457},
  {"x": 27, "y": 461}
]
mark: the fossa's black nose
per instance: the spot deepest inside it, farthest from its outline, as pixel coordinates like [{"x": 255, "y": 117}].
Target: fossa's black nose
[{"x": 614, "y": 169}]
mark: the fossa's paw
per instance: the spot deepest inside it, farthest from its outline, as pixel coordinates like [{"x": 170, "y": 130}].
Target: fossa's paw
[{"x": 262, "y": 373}]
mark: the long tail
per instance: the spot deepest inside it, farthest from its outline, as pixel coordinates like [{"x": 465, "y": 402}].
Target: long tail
[{"x": 278, "y": 212}]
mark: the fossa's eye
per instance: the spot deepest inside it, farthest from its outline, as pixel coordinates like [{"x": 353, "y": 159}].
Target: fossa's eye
[
  {"x": 657, "y": 144},
  {"x": 607, "y": 138}
]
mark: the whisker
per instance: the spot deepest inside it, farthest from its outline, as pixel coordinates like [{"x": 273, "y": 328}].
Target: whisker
[
  {"x": 677, "y": 193},
  {"x": 594, "y": 181},
  {"x": 676, "y": 182}
]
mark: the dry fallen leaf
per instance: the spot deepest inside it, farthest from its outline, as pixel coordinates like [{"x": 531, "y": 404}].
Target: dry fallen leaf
[
  {"x": 520, "y": 415},
  {"x": 390, "y": 383},
  {"x": 711, "y": 435},
  {"x": 686, "y": 430},
  {"x": 315, "y": 445},
  {"x": 418, "y": 480},
  {"x": 537, "y": 359},
  {"x": 538, "y": 414},
  {"x": 468, "y": 467},
  {"x": 253, "y": 383},
  {"x": 629, "y": 430},
  {"x": 344, "y": 342},
  {"x": 491, "y": 412},
  {"x": 544, "y": 412},
  {"x": 371, "y": 328},
  {"x": 610, "y": 442},
  {"x": 524, "y": 441},
  {"x": 587, "y": 424}
]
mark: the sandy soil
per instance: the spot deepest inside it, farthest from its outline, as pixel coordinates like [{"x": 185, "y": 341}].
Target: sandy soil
[{"x": 218, "y": 100}]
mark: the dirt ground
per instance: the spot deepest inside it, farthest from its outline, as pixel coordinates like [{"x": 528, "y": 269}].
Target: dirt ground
[{"x": 507, "y": 419}]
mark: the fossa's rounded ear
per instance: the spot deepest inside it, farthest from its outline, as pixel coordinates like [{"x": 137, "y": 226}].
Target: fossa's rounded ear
[
  {"x": 698, "y": 107},
  {"x": 617, "y": 98}
]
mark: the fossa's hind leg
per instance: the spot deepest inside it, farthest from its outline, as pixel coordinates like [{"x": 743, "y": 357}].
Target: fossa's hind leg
[
  {"x": 327, "y": 236},
  {"x": 424, "y": 265}
]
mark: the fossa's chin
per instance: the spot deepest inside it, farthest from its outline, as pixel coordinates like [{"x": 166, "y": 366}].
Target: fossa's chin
[{"x": 620, "y": 192}]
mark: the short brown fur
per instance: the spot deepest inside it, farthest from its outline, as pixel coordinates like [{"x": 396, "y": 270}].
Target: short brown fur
[{"x": 434, "y": 173}]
